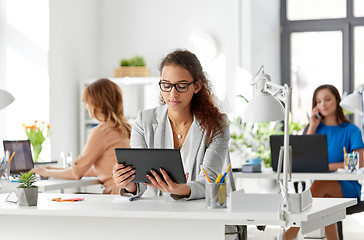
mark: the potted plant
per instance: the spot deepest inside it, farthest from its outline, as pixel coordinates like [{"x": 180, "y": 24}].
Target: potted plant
[
  {"x": 27, "y": 192},
  {"x": 133, "y": 67}
]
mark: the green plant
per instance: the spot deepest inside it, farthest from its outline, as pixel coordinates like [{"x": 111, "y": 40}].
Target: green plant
[
  {"x": 137, "y": 61},
  {"x": 251, "y": 140},
  {"x": 27, "y": 179},
  {"x": 125, "y": 62}
]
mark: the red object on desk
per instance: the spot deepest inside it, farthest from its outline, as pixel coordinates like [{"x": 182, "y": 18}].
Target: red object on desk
[{"x": 68, "y": 200}]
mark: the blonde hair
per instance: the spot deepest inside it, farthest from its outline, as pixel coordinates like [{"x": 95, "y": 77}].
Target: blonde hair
[{"x": 105, "y": 101}]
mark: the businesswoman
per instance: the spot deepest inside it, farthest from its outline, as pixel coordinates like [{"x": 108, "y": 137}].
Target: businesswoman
[
  {"x": 328, "y": 118},
  {"x": 188, "y": 120},
  {"x": 104, "y": 102}
]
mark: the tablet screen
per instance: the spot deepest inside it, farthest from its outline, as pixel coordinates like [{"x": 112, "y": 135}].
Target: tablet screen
[{"x": 143, "y": 160}]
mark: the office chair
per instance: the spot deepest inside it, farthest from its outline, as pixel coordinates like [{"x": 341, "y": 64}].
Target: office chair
[{"x": 350, "y": 210}]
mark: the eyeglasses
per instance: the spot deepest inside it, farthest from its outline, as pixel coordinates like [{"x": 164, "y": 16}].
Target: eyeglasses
[{"x": 180, "y": 87}]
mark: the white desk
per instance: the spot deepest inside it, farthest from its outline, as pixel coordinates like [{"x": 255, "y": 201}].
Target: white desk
[
  {"x": 269, "y": 174},
  {"x": 52, "y": 184},
  {"x": 113, "y": 217}
]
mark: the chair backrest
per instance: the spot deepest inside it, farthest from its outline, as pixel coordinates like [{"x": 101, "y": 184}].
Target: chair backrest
[{"x": 356, "y": 208}]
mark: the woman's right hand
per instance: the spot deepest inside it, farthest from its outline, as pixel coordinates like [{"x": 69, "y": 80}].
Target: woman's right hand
[
  {"x": 122, "y": 176},
  {"x": 314, "y": 121}
]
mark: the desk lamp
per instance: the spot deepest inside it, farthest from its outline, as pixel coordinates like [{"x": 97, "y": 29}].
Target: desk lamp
[
  {"x": 266, "y": 106},
  {"x": 5, "y": 98},
  {"x": 354, "y": 103}
]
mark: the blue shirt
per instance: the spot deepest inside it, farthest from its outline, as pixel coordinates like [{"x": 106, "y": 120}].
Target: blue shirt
[
  {"x": 348, "y": 135},
  {"x": 345, "y": 134}
]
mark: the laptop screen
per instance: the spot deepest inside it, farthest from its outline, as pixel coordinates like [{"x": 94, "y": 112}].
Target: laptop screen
[
  {"x": 23, "y": 160},
  {"x": 309, "y": 152}
]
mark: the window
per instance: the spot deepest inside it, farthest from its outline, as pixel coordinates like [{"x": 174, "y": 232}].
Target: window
[
  {"x": 320, "y": 44},
  {"x": 24, "y": 34}
]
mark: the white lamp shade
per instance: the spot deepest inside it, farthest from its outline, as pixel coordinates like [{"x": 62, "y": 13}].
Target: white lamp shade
[
  {"x": 263, "y": 108},
  {"x": 5, "y": 98},
  {"x": 352, "y": 102}
]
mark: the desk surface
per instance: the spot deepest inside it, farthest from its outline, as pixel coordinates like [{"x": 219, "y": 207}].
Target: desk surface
[
  {"x": 52, "y": 184},
  {"x": 165, "y": 208},
  {"x": 269, "y": 174}
]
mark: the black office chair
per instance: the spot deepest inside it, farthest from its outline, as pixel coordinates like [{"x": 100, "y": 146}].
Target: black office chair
[{"x": 350, "y": 210}]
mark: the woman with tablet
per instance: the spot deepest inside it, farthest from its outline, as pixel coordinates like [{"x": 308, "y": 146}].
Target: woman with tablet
[
  {"x": 328, "y": 118},
  {"x": 104, "y": 102},
  {"x": 188, "y": 120}
]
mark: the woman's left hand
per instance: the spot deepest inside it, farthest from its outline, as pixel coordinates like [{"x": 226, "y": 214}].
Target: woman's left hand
[{"x": 167, "y": 185}]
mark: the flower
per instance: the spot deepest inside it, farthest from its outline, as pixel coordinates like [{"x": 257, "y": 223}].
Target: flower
[{"x": 36, "y": 137}]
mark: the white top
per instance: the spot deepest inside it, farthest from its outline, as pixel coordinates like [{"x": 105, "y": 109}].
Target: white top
[{"x": 185, "y": 147}]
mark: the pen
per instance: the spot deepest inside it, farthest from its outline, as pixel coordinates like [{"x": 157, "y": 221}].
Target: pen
[
  {"x": 208, "y": 179},
  {"x": 11, "y": 158},
  {"x": 346, "y": 159},
  {"x": 132, "y": 199},
  {"x": 218, "y": 178},
  {"x": 224, "y": 176}
]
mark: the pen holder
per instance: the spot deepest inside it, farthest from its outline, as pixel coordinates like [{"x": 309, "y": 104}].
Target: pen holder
[
  {"x": 215, "y": 195},
  {"x": 351, "y": 162},
  {"x": 5, "y": 171}
]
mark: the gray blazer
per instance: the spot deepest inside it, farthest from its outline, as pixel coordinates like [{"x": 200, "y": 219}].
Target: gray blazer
[{"x": 149, "y": 131}]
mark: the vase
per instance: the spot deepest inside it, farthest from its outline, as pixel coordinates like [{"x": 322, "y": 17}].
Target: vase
[
  {"x": 37, "y": 148},
  {"x": 27, "y": 196}
]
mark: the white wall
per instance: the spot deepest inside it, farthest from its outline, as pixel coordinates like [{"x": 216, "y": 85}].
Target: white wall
[
  {"x": 265, "y": 35},
  {"x": 154, "y": 28},
  {"x": 73, "y": 55},
  {"x": 88, "y": 38}
]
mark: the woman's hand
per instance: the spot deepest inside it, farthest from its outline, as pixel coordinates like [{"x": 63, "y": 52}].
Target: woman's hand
[
  {"x": 314, "y": 121},
  {"x": 122, "y": 176},
  {"x": 42, "y": 171},
  {"x": 167, "y": 185}
]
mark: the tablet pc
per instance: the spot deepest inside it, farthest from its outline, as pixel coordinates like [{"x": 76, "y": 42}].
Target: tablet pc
[{"x": 145, "y": 159}]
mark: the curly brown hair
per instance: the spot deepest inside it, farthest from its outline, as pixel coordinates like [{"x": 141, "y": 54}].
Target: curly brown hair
[
  {"x": 105, "y": 97},
  {"x": 202, "y": 103}
]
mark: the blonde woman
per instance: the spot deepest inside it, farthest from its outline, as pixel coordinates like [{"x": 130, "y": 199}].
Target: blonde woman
[{"x": 103, "y": 100}]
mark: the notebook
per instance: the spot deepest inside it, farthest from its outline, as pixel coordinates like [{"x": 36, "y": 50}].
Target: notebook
[
  {"x": 23, "y": 160},
  {"x": 309, "y": 152}
]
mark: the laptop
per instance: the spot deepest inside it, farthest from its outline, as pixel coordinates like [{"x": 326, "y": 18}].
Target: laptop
[
  {"x": 309, "y": 152},
  {"x": 23, "y": 160}
]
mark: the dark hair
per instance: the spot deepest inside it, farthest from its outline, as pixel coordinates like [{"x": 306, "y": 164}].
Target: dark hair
[
  {"x": 105, "y": 97},
  {"x": 202, "y": 103},
  {"x": 340, "y": 117}
]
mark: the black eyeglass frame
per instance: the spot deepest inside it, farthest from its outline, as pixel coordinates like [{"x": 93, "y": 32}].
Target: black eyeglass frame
[{"x": 175, "y": 86}]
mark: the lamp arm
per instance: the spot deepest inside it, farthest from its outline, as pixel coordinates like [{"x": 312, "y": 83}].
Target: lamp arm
[
  {"x": 280, "y": 91},
  {"x": 287, "y": 168}
]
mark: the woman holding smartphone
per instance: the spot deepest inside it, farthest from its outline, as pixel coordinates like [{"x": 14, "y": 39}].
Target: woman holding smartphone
[
  {"x": 328, "y": 118},
  {"x": 188, "y": 120}
]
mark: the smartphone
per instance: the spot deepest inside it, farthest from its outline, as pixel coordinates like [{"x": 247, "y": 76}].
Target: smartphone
[{"x": 318, "y": 115}]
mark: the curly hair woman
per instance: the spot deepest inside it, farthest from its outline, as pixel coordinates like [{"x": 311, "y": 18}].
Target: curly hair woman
[{"x": 187, "y": 120}]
